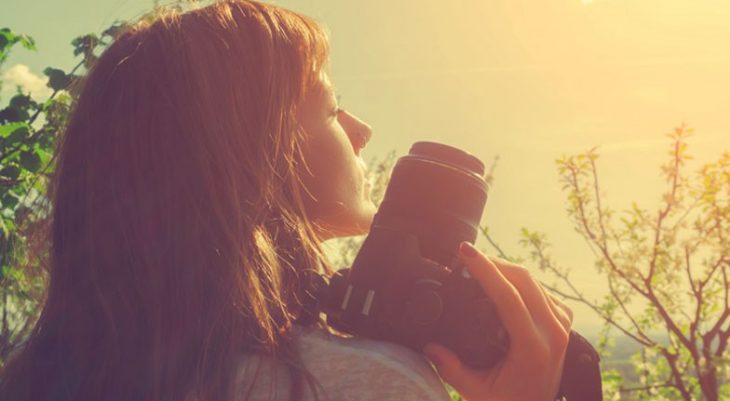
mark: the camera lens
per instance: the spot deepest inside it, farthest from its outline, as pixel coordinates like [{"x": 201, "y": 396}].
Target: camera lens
[
  {"x": 437, "y": 193},
  {"x": 448, "y": 155}
]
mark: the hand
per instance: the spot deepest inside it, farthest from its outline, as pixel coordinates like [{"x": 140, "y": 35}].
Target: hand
[{"x": 538, "y": 326}]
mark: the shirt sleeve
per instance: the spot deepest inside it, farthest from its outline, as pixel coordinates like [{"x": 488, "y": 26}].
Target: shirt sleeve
[
  {"x": 365, "y": 370},
  {"x": 382, "y": 381},
  {"x": 346, "y": 369}
]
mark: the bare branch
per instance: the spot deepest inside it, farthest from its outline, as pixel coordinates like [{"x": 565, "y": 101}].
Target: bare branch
[
  {"x": 676, "y": 374},
  {"x": 594, "y": 173},
  {"x": 698, "y": 296},
  {"x": 663, "y": 213},
  {"x": 715, "y": 330},
  {"x": 580, "y": 298},
  {"x": 671, "y": 324},
  {"x": 604, "y": 251},
  {"x": 624, "y": 309},
  {"x": 483, "y": 230}
]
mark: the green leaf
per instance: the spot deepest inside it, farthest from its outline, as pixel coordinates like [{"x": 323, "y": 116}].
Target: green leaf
[
  {"x": 11, "y": 172},
  {"x": 6, "y": 226},
  {"x": 84, "y": 44},
  {"x": 14, "y": 273},
  {"x": 11, "y": 115},
  {"x": 45, "y": 155},
  {"x": 20, "y": 101},
  {"x": 30, "y": 161},
  {"x": 7, "y": 38},
  {"x": 7, "y": 213},
  {"x": 9, "y": 200},
  {"x": 27, "y": 42},
  {"x": 7, "y": 129},
  {"x": 18, "y": 135},
  {"x": 57, "y": 79}
]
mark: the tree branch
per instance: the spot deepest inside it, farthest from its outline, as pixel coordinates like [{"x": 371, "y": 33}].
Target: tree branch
[
  {"x": 663, "y": 213},
  {"x": 676, "y": 374},
  {"x": 580, "y": 298},
  {"x": 626, "y": 313},
  {"x": 583, "y": 220}
]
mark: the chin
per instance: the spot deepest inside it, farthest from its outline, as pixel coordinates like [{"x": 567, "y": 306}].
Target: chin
[{"x": 358, "y": 224}]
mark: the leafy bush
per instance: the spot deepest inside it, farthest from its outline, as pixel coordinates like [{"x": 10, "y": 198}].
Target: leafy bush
[{"x": 28, "y": 133}]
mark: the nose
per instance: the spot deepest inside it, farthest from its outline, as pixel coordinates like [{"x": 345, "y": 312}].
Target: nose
[{"x": 359, "y": 131}]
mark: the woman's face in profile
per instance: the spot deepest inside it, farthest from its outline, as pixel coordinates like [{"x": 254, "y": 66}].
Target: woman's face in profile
[{"x": 338, "y": 197}]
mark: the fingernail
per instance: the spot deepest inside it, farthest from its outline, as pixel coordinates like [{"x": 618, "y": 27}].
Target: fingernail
[{"x": 467, "y": 249}]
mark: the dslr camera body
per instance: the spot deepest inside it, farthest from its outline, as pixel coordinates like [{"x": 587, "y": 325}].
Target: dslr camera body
[{"x": 406, "y": 284}]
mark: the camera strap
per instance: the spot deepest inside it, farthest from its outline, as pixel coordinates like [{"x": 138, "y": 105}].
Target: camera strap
[{"x": 581, "y": 372}]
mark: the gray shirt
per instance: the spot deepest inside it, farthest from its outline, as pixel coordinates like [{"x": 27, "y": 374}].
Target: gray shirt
[{"x": 348, "y": 369}]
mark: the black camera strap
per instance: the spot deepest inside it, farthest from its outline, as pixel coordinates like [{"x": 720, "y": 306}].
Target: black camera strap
[{"x": 581, "y": 372}]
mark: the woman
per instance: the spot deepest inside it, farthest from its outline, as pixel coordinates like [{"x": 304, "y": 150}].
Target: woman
[{"x": 204, "y": 163}]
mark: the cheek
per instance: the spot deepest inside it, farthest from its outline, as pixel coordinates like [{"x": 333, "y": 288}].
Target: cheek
[{"x": 333, "y": 169}]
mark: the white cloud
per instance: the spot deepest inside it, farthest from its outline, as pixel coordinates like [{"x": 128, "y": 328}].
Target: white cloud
[{"x": 21, "y": 75}]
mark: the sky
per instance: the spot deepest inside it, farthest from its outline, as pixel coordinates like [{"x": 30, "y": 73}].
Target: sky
[{"x": 528, "y": 81}]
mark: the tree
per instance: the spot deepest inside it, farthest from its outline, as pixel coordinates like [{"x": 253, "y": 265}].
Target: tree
[
  {"x": 25, "y": 152},
  {"x": 28, "y": 133},
  {"x": 666, "y": 271}
]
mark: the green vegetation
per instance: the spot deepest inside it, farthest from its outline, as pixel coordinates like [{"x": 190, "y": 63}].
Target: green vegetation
[
  {"x": 667, "y": 272},
  {"x": 27, "y": 136}
]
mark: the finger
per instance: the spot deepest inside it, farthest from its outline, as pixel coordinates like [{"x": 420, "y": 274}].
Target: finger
[
  {"x": 532, "y": 292},
  {"x": 510, "y": 306},
  {"x": 560, "y": 304},
  {"x": 558, "y": 311},
  {"x": 448, "y": 364}
]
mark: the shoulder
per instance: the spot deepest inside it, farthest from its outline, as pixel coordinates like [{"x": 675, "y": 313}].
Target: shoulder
[
  {"x": 370, "y": 369},
  {"x": 346, "y": 369}
]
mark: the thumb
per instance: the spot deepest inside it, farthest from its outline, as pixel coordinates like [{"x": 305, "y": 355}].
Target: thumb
[{"x": 447, "y": 363}]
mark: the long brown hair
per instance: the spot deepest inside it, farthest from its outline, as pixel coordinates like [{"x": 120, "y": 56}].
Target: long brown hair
[{"x": 178, "y": 238}]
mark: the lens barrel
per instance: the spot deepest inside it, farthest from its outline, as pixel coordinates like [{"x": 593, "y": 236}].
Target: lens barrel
[{"x": 437, "y": 193}]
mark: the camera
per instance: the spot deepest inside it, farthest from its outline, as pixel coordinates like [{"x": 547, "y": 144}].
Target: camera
[{"x": 406, "y": 284}]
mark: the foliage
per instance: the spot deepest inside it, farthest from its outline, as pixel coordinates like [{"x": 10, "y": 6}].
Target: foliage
[
  {"x": 28, "y": 133},
  {"x": 666, "y": 271}
]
